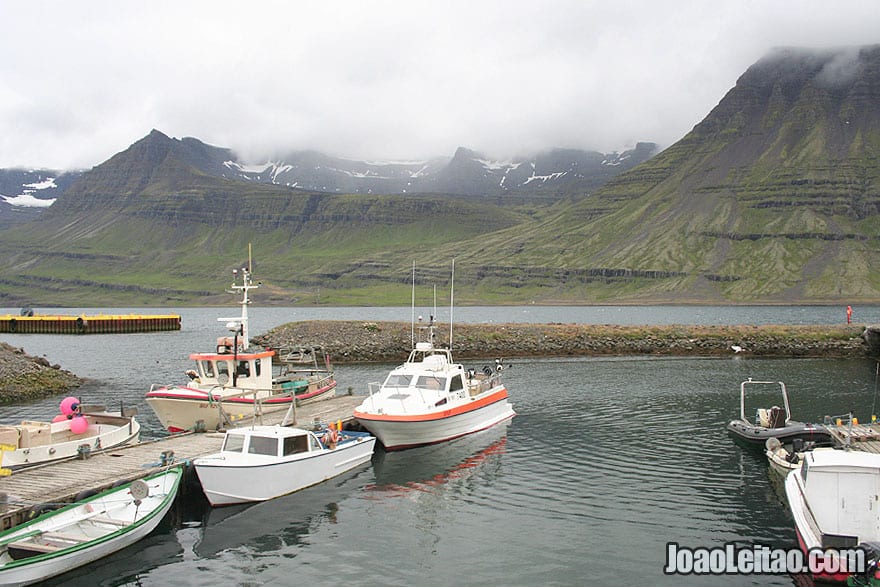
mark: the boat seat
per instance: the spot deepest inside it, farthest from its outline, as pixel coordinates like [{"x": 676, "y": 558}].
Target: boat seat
[
  {"x": 28, "y": 547},
  {"x": 111, "y": 521},
  {"x": 60, "y": 536}
]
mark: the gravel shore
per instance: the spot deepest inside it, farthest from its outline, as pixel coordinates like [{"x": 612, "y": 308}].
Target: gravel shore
[
  {"x": 358, "y": 342},
  {"x": 24, "y": 378}
]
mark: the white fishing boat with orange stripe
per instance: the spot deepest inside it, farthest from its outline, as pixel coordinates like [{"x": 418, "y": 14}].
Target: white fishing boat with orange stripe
[{"x": 431, "y": 399}]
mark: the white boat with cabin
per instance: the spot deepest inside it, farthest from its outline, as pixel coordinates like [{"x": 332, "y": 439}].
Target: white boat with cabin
[
  {"x": 430, "y": 398},
  {"x": 259, "y": 463},
  {"x": 234, "y": 382},
  {"x": 834, "y": 499}
]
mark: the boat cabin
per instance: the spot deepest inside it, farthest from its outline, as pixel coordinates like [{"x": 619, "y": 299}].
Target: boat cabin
[
  {"x": 240, "y": 370},
  {"x": 842, "y": 489},
  {"x": 269, "y": 441}
]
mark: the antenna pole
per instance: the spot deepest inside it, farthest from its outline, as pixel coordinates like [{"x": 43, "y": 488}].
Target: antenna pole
[
  {"x": 412, "y": 321},
  {"x": 451, "y": 302}
]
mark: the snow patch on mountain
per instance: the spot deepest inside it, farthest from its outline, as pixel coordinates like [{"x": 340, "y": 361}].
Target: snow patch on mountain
[{"x": 27, "y": 201}]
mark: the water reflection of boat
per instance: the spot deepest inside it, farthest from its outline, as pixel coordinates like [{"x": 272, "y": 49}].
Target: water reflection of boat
[
  {"x": 274, "y": 524},
  {"x": 433, "y": 466}
]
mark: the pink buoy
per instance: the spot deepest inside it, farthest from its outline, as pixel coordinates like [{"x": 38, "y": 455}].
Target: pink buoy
[
  {"x": 59, "y": 418},
  {"x": 79, "y": 425},
  {"x": 69, "y": 405}
]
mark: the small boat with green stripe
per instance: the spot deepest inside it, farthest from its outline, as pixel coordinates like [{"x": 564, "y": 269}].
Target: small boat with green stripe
[{"x": 82, "y": 532}]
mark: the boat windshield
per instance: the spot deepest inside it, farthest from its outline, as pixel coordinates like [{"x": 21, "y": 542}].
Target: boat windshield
[
  {"x": 398, "y": 380},
  {"x": 233, "y": 443}
]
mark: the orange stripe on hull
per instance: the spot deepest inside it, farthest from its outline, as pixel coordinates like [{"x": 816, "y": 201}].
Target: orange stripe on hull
[{"x": 463, "y": 409}]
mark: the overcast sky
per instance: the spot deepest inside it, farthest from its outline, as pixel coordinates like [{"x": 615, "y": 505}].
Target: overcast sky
[{"x": 82, "y": 80}]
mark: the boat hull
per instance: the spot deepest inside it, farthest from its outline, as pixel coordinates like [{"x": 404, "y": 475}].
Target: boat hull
[
  {"x": 180, "y": 410},
  {"x": 398, "y": 432},
  {"x": 755, "y": 437},
  {"x": 104, "y": 432},
  {"x": 41, "y": 567},
  {"x": 225, "y": 482},
  {"x": 183, "y": 408},
  {"x": 808, "y": 532}
]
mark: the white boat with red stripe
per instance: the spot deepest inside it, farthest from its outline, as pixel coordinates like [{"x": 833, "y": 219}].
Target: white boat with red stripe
[{"x": 235, "y": 383}]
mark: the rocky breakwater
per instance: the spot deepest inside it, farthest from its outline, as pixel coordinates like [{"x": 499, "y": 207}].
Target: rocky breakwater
[
  {"x": 353, "y": 342},
  {"x": 24, "y": 378}
]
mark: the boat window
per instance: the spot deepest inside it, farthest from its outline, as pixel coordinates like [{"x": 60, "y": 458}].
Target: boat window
[
  {"x": 805, "y": 467},
  {"x": 257, "y": 367},
  {"x": 398, "y": 380},
  {"x": 233, "y": 443},
  {"x": 243, "y": 369},
  {"x": 314, "y": 443},
  {"x": 295, "y": 444},
  {"x": 222, "y": 368},
  {"x": 431, "y": 382},
  {"x": 263, "y": 445},
  {"x": 207, "y": 368},
  {"x": 456, "y": 384}
]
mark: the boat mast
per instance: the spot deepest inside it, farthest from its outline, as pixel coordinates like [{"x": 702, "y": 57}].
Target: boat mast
[
  {"x": 412, "y": 321},
  {"x": 239, "y": 325},
  {"x": 451, "y": 302}
]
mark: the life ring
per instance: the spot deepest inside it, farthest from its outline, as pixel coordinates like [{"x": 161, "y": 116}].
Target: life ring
[
  {"x": 13, "y": 325},
  {"x": 80, "y": 325}
]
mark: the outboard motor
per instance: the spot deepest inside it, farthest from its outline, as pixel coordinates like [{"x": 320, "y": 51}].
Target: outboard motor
[{"x": 872, "y": 559}]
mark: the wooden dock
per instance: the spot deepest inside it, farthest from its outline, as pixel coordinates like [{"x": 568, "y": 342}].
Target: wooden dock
[
  {"x": 98, "y": 324},
  {"x": 865, "y": 437},
  {"x": 62, "y": 481}
]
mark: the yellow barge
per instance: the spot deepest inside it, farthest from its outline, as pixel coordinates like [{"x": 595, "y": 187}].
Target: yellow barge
[{"x": 83, "y": 324}]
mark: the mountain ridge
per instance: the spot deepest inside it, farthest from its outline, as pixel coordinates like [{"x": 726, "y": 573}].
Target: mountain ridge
[{"x": 774, "y": 197}]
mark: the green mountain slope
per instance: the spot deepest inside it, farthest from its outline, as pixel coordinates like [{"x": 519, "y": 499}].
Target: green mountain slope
[{"x": 772, "y": 198}]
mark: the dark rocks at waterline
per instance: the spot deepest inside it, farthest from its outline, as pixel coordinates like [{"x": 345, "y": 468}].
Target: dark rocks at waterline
[
  {"x": 353, "y": 341},
  {"x": 872, "y": 339},
  {"x": 24, "y": 378}
]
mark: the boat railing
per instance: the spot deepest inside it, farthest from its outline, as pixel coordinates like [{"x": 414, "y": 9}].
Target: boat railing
[
  {"x": 750, "y": 382},
  {"x": 326, "y": 376},
  {"x": 226, "y": 419}
]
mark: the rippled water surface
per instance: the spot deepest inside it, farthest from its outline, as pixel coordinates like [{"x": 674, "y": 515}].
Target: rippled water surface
[{"x": 606, "y": 462}]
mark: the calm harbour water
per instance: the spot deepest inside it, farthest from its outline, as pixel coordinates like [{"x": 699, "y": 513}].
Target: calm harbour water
[{"x": 607, "y": 461}]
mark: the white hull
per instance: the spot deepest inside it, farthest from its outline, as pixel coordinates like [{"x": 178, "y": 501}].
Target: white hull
[
  {"x": 116, "y": 536},
  {"x": 179, "y": 413},
  {"x": 228, "y": 481},
  {"x": 103, "y": 432},
  {"x": 398, "y": 434},
  {"x": 181, "y": 408}
]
